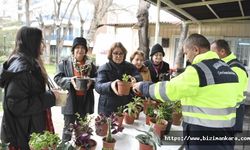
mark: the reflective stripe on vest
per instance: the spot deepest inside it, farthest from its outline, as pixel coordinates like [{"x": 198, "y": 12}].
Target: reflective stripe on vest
[
  {"x": 236, "y": 63},
  {"x": 159, "y": 91},
  {"x": 214, "y": 71},
  {"x": 211, "y": 72},
  {"x": 209, "y": 111},
  {"x": 211, "y": 123}
]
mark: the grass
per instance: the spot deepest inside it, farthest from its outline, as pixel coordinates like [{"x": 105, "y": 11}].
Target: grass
[{"x": 51, "y": 69}]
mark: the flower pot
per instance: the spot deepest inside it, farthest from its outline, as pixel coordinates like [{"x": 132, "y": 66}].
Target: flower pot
[
  {"x": 123, "y": 87},
  {"x": 145, "y": 146},
  {"x": 92, "y": 144},
  {"x": 129, "y": 119},
  {"x": 176, "y": 118},
  {"x": 81, "y": 84},
  {"x": 159, "y": 129},
  {"x": 62, "y": 99},
  {"x": 107, "y": 145},
  {"x": 148, "y": 118},
  {"x": 119, "y": 120},
  {"x": 102, "y": 129}
]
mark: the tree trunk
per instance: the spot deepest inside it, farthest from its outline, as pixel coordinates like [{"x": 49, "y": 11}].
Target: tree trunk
[
  {"x": 180, "y": 56},
  {"x": 142, "y": 17},
  {"x": 27, "y": 12},
  {"x": 100, "y": 9}
]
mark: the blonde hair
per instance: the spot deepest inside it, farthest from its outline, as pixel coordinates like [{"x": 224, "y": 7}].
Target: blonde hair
[{"x": 138, "y": 52}]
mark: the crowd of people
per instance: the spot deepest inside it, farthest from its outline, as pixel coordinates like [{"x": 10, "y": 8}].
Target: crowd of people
[{"x": 210, "y": 89}]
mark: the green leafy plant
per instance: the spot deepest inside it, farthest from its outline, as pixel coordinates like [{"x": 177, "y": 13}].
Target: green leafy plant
[
  {"x": 131, "y": 109},
  {"x": 148, "y": 138},
  {"x": 177, "y": 107},
  {"x": 125, "y": 77},
  {"x": 4, "y": 146},
  {"x": 150, "y": 111},
  {"x": 84, "y": 69},
  {"x": 39, "y": 141},
  {"x": 138, "y": 102},
  {"x": 164, "y": 112},
  {"x": 119, "y": 111},
  {"x": 82, "y": 131}
]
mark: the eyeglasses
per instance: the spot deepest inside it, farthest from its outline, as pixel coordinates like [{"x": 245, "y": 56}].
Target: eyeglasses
[{"x": 117, "y": 53}]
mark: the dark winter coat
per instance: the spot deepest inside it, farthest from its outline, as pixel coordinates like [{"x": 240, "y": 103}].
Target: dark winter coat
[
  {"x": 158, "y": 76},
  {"x": 63, "y": 79},
  {"x": 109, "y": 72},
  {"x": 25, "y": 100}
]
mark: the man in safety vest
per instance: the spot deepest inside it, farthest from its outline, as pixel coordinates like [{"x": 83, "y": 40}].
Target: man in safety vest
[
  {"x": 222, "y": 48},
  {"x": 208, "y": 92}
]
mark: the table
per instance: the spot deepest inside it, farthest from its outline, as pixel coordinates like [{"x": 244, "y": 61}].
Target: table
[{"x": 126, "y": 140}]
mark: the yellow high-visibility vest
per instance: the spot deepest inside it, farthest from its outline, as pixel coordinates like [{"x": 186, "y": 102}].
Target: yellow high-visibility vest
[{"x": 208, "y": 90}]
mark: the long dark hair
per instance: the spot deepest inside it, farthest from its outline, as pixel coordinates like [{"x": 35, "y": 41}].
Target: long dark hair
[{"x": 28, "y": 42}]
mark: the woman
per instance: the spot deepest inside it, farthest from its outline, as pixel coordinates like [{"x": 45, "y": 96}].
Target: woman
[
  {"x": 107, "y": 77},
  {"x": 137, "y": 59},
  {"x": 79, "y": 101},
  {"x": 27, "y": 102},
  {"x": 159, "y": 69}
]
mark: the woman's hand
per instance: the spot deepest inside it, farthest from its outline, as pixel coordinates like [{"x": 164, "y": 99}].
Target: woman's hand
[
  {"x": 114, "y": 87},
  {"x": 73, "y": 82}
]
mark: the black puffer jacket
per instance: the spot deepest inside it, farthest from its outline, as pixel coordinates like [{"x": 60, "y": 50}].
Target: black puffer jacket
[
  {"x": 25, "y": 100},
  {"x": 109, "y": 72}
]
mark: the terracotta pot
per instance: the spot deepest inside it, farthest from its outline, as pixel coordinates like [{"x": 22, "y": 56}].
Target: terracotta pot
[
  {"x": 159, "y": 129},
  {"x": 107, "y": 145},
  {"x": 119, "y": 120},
  {"x": 145, "y": 147},
  {"x": 81, "y": 84},
  {"x": 176, "y": 118},
  {"x": 101, "y": 130},
  {"x": 148, "y": 118},
  {"x": 53, "y": 148},
  {"x": 123, "y": 87},
  {"x": 92, "y": 144},
  {"x": 129, "y": 119}
]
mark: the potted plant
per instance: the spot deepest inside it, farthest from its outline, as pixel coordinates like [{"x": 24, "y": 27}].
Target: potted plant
[
  {"x": 109, "y": 141},
  {"x": 176, "y": 115},
  {"x": 139, "y": 105},
  {"x": 84, "y": 71},
  {"x": 43, "y": 141},
  {"x": 101, "y": 125},
  {"x": 123, "y": 86},
  {"x": 163, "y": 121},
  {"x": 130, "y": 113},
  {"x": 150, "y": 114},
  {"x": 83, "y": 132},
  {"x": 148, "y": 140},
  {"x": 119, "y": 115},
  {"x": 148, "y": 102}
]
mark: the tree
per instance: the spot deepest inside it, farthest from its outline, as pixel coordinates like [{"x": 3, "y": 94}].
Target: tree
[
  {"x": 142, "y": 17},
  {"x": 27, "y": 12},
  {"x": 101, "y": 8},
  {"x": 180, "y": 56}
]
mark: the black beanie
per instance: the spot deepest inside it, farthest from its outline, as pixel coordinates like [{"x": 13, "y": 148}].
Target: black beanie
[
  {"x": 157, "y": 48},
  {"x": 79, "y": 41}
]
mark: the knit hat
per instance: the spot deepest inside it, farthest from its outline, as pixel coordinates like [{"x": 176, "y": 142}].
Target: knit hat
[
  {"x": 157, "y": 48},
  {"x": 79, "y": 41}
]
